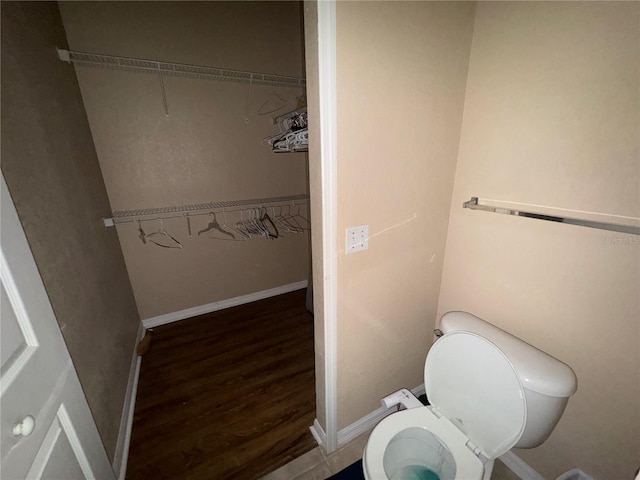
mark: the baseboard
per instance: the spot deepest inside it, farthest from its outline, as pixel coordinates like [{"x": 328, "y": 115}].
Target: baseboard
[
  {"x": 126, "y": 420},
  {"x": 221, "y": 305},
  {"x": 366, "y": 423},
  {"x": 318, "y": 434},
  {"x": 357, "y": 428},
  {"x": 521, "y": 468},
  {"x": 518, "y": 466}
]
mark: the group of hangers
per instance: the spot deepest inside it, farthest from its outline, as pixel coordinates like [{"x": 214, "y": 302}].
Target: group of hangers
[
  {"x": 253, "y": 222},
  {"x": 257, "y": 223},
  {"x": 294, "y": 133}
]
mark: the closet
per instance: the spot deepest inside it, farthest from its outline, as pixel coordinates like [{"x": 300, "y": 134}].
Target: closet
[{"x": 198, "y": 116}]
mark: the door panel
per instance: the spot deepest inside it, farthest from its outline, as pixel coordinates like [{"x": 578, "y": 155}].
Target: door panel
[
  {"x": 66, "y": 466},
  {"x": 37, "y": 378},
  {"x": 12, "y": 339}
]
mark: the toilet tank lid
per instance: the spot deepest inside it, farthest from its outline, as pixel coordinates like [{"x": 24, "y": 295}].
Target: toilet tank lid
[{"x": 538, "y": 371}]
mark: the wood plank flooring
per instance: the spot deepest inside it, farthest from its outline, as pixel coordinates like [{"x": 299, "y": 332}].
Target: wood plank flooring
[{"x": 226, "y": 395}]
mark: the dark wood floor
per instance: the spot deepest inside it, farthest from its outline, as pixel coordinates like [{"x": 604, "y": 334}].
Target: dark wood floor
[{"x": 229, "y": 394}]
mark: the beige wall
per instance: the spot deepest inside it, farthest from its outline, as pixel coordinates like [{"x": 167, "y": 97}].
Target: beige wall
[
  {"x": 50, "y": 165},
  {"x": 401, "y": 73},
  {"x": 551, "y": 118},
  {"x": 207, "y": 149}
]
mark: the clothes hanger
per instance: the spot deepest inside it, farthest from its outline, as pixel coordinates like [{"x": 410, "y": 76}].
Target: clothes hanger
[
  {"x": 162, "y": 238},
  {"x": 279, "y": 221},
  {"x": 270, "y": 227},
  {"x": 241, "y": 226},
  {"x": 214, "y": 225},
  {"x": 283, "y": 223},
  {"x": 141, "y": 235},
  {"x": 243, "y": 237},
  {"x": 306, "y": 224},
  {"x": 273, "y": 103},
  {"x": 256, "y": 225},
  {"x": 291, "y": 219}
]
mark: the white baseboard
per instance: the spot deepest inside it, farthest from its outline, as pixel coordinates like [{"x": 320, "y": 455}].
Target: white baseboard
[
  {"x": 126, "y": 420},
  {"x": 366, "y": 423},
  {"x": 518, "y": 466},
  {"x": 221, "y": 305},
  {"x": 318, "y": 434},
  {"x": 357, "y": 428}
]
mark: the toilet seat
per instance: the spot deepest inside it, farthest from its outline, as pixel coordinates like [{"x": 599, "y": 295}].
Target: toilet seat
[
  {"x": 467, "y": 464},
  {"x": 478, "y": 407}
]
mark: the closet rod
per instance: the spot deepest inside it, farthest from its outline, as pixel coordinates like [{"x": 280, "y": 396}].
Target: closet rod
[
  {"x": 474, "y": 205},
  {"x": 128, "y": 216},
  {"x": 139, "y": 65}
]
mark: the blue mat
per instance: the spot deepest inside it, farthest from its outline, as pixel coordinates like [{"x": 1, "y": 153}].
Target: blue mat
[{"x": 352, "y": 472}]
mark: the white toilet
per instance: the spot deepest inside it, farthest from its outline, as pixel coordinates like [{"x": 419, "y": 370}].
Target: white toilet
[{"x": 489, "y": 392}]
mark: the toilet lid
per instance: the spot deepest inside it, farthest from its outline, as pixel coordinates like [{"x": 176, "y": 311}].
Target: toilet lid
[{"x": 472, "y": 382}]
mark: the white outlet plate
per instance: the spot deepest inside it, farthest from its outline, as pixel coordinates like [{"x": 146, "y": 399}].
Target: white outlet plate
[{"x": 357, "y": 239}]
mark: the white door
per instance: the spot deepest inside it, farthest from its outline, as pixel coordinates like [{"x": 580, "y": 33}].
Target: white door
[{"x": 47, "y": 430}]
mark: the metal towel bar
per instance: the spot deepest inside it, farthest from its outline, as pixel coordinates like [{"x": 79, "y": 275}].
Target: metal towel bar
[{"x": 474, "y": 205}]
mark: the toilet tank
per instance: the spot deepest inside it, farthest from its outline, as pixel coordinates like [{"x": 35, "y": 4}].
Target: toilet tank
[{"x": 548, "y": 383}]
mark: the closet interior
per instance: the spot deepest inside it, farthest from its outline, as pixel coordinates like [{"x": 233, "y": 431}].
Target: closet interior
[
  {"x": 188, "y": 104},
  {"x": 198, "y": 115}
]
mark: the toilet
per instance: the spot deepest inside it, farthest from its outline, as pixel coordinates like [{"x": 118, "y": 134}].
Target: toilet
[{"x": 489, "y": 392}]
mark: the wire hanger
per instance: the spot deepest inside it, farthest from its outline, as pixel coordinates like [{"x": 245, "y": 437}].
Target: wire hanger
[
  {"x": 162, "y": 238},
  {"x": 272, "y": 104},
  {"x": 282, "y": 222},
  {"x": 305, "y": 224}
]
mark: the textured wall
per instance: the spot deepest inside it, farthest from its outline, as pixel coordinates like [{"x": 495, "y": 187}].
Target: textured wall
[
  {"x": 401, "y": 74},
  {"x": 208, "y": 148},
  {"x": 551, "y": 118},
  {"x": 51, "y": 169}
]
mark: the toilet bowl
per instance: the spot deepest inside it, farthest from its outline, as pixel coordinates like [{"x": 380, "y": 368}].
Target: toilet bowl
[
  {"x": 398, "y": 449},
  {"x": 489, "y": 391}
]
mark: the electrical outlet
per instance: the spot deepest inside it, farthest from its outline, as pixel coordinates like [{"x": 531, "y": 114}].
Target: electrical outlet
[{"x": 357, "y": 239}]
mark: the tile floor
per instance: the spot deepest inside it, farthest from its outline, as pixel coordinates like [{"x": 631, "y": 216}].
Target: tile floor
[{"x": 316, "y": 465}]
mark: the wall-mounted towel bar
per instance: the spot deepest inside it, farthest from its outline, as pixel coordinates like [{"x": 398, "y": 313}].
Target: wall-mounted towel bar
[
  {"x": 474, "y": 205},
  {"x": 128, "y": 216}
]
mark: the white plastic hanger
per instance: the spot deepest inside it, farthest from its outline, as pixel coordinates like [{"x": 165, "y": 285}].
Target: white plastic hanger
[{"x": 162, "y": 238}]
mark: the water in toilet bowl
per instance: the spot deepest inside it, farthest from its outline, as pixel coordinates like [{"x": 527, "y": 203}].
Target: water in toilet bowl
[
  {"x": 417, "y": 454},
  {"x": 415, "y": 472}
]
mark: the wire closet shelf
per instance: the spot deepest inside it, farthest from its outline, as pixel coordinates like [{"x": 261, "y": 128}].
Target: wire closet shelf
[
  {"x": 138, "y": 65},
  {"x": 129, "y": 216}
]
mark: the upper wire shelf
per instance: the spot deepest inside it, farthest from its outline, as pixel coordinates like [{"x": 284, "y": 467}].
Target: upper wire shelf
[
  {"x": 474, "y": 204},
  {"x": 128, "y": 216},
  {"x": 139, "y": 65}
]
